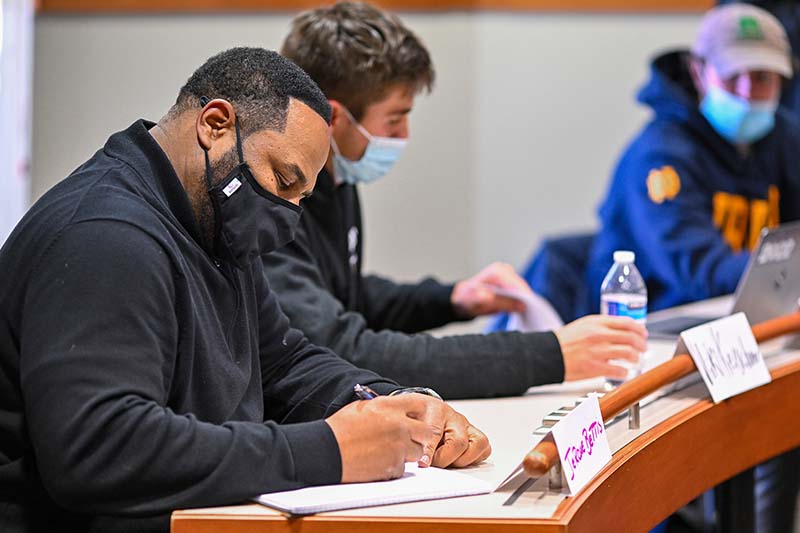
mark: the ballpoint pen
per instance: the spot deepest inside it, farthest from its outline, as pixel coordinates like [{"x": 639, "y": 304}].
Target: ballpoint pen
[{"x": 364, "y": 393}]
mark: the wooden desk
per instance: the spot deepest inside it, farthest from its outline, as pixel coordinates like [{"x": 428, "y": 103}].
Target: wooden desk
[{"x": 686, "y": 446}]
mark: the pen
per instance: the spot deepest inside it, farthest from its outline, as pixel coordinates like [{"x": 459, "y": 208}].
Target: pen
[{"x": 364, "y": 393}]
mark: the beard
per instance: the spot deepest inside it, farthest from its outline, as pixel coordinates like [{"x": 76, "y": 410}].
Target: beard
[{"x": 201, "y": 200}]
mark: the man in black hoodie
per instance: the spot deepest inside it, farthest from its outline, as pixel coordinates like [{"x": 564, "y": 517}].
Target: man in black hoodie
[
  {"x": 371, "y": 67},
  {"x": 144, "y": 362}
]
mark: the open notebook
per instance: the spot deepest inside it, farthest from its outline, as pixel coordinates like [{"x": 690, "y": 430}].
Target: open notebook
[{"x": 416, "y": 484}]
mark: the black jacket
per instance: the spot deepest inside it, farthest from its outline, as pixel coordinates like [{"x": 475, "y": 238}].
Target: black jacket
[
  {"x": 136, "y": 375},
  {"x": 372, "y": 321}
]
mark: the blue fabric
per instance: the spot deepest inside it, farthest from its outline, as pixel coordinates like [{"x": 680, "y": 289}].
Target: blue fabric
[
  {"x": 680, "y": 252},
  {"x": 660, "y": 528},
  {"x": 556, "y": 272}
]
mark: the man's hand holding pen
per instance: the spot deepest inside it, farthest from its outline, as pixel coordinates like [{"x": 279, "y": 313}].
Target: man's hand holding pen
[{"x": 376, "y": 438}]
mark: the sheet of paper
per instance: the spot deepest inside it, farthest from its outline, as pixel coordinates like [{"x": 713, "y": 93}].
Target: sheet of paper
[
  {"x": 726, "y": 355},
  {"x": 582, "y": 444},
  {"x": 539, "y": 314},
  {"x": 416, "y": 484}
]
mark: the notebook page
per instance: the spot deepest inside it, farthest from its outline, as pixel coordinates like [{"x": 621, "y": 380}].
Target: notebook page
[{"x": 415, "y": 485}]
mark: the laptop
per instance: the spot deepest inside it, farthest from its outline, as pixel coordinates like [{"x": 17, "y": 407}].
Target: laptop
[{"x": 769, "y": 287}]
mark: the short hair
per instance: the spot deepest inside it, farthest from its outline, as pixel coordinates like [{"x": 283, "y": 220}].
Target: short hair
[
  {"x": 258, "y": 83},
  {"x": 356, "y": 52}
]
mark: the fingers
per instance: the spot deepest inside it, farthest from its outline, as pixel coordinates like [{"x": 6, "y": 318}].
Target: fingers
[
  {"x": 436, "y": 434},
  {"x": 415, "y": 452},
  {"x": 625, "y": 323},
  {"x": 505, "y": 276},
  {"x": 620, "y": 322},
  {"x": 621, "y": 339},
  {"x": 621, "y": 351},
  {"x": 425, "y": 423},
  {"x": 454, "y": 444},
  {"x": 620, "y": 330},
  {"x": 611, "y": 371},
  {"x": 504, "y": 303},
  {"x": 478, "y": 449},
  {"x": 425, "y": 438}
]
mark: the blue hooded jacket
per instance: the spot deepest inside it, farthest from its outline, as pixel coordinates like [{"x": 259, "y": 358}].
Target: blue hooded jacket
[{"x": 686, "y": 201}]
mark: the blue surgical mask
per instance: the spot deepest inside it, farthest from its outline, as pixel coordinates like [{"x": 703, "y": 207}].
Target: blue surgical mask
[
  {"x": 380, "y": 156},
  {"x": 736, "y": 119}
]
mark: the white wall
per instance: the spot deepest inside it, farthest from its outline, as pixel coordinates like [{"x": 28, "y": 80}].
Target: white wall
[
  {"x": 554, "y": 108},
  {"x": 16, "y": 73},
  {"x": 517, "y": 140}
]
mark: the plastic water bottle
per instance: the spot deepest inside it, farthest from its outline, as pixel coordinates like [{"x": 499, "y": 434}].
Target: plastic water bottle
[{"x": 623, "y": 293}]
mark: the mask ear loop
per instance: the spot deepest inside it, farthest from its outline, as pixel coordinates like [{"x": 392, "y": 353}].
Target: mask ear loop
[
  {"x": 335, "y": 147},
  {"x": 361, "y": 129},
  {"x": 204, "y": 100}
]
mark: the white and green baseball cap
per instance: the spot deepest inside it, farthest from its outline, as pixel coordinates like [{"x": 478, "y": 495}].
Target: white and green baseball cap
[{"x": 736, "y": 38}]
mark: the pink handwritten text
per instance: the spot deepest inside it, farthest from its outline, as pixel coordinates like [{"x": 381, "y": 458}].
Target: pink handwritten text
[{"x": 575, "y": 454}]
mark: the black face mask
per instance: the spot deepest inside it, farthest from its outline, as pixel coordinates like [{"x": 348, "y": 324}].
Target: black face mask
[{"x": 248, "y": 220}]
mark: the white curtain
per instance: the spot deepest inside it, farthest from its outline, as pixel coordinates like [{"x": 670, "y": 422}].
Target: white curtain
[{"x": 16, "y": 56}]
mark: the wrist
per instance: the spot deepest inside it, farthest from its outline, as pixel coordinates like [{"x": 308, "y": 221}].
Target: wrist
[
  {"x": 457, "y": 304},
  {"x": 427, "y": 391}
]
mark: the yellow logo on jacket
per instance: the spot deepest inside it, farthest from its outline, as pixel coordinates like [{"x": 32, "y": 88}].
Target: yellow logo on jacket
[
  {"x": 663, "y": 184},
  {"x": 740, "y": 219}
]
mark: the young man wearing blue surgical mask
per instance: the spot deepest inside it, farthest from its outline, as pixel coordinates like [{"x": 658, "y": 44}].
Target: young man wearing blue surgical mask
[
  {"x": 371, "y": 67},
  {"x": 715, "y": 165}
]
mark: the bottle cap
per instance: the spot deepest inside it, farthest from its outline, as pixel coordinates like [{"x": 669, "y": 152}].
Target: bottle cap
[{"x": 624, "y": 256}]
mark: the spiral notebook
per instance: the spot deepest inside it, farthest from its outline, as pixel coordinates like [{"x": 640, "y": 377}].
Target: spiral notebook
[{"x": 417, "y": 484}]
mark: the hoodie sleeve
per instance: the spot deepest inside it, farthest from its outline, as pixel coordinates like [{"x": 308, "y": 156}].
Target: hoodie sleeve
[
  {"x": 94, "y": 375},
  {"x": 464, "y": 366},
  {"x": 407, "y": 307},
  {"x": 670, "y": 218}
]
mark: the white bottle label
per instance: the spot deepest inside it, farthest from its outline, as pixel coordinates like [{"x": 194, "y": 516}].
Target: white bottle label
[{"x": 630, "y": 305}]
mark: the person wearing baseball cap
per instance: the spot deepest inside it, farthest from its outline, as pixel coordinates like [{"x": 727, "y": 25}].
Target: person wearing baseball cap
[
  {"x": 788, "y": 12},
  {"x": 741, "y": 57},
  {"x": 715, "y": 165}
]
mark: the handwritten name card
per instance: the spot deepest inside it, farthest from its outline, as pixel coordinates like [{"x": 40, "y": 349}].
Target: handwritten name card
[
  {"x": 582, "y": 444},
  {"x": 727, "y": 356}
]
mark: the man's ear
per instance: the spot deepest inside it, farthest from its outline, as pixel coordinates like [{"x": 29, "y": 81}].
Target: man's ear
[
  {"x": 339, "y": 115},
  {"x": 215, "y": 120}
]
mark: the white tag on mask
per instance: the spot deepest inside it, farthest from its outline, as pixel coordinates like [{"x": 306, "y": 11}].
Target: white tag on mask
[{"x": 232, "y": 187}]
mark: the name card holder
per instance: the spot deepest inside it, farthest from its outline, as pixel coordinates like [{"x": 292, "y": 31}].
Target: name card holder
[
  {"x": 582, "y": 444},
  {"x": 726, "y": 355}
]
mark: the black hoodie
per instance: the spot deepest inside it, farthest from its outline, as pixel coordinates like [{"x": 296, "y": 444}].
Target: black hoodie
[
  {"x": 137, "y": 373},
  {"x": 375, "y": 323}
]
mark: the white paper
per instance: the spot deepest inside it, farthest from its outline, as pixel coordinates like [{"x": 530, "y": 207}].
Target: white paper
[
  {"x": 582, "y": 444},
  {"x": 416, "y": 484},
  {"x": 726, "y": 355},
  {"x": 539, "y": 314}
]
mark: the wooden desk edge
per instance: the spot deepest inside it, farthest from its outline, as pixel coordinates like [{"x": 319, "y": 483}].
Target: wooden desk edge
[
  {"x": 242, "y": 523},
  {"x": 593, "y": 509},
  {"x": 681, "y": 430}
]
